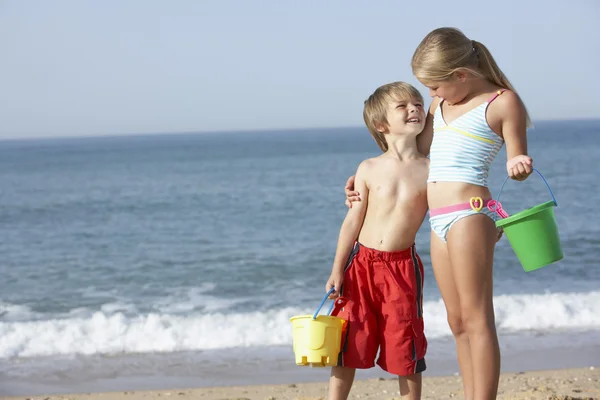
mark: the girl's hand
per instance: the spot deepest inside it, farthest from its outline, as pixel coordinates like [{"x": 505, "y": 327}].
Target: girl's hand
[
  {"x": 335, "y": 281},
  {"x": 519, "y": 167},
  {"x": 351, "y": 195}
]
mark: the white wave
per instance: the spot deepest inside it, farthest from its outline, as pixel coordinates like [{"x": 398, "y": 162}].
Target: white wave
[
  {"x": 110, "y": 331},
  {"x": 14, "y": 312}
]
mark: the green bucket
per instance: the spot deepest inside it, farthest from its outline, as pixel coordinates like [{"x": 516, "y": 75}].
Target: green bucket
[{"x": 533, "y": 233}]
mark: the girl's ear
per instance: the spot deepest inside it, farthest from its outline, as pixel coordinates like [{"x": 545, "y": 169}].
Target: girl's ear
[{"x": 460, "y": 75}]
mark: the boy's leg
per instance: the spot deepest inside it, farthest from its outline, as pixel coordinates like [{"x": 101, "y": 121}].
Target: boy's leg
[
  {"x": 410, "y": 386},
  {"x": 340, "y": 382},
  {"x": 360, "y": 342},
  {"x": 403, "y": 344}
]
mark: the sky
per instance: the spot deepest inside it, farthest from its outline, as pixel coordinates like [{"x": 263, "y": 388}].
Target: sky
[{"x": 114, "y": 67}]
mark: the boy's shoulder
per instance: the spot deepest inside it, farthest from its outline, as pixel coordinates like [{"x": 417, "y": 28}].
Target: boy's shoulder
[
  {"x": 368, "y": 164},
  {"x": 421, "y": 164}
]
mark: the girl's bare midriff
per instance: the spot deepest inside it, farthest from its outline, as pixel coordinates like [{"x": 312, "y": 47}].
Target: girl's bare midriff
[{"x": 442, "y": 194}]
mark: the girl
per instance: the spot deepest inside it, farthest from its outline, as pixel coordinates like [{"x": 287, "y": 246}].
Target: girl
[{"x": 474, "y": 112}]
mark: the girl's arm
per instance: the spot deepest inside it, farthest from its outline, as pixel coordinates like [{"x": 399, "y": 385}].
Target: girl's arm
[
  {"x": 514, "y": 130},
  {"x": 426, "y": 137}
]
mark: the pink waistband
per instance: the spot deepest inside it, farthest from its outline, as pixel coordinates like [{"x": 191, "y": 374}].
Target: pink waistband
[{"x": 474, "y": 204}]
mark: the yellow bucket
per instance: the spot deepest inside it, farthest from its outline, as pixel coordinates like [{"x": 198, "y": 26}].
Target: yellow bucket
[{"x": 318, "y": 338}]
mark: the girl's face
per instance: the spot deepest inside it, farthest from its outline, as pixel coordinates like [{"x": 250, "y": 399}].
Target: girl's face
[{"x": 453, "y": 90}]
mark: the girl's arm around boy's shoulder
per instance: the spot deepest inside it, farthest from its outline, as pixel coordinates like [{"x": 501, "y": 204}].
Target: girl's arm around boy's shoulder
[{"x": 426, "y": 137}]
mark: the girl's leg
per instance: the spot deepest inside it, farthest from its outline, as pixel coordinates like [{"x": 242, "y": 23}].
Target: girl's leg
[
  {"x": 340, "y": 382},
  {"x": 471, "y": 243},
  {"x": 443, "y": 271}
]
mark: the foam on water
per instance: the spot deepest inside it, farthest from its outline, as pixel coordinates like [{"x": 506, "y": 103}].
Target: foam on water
[{"x": 113, "y": 331}]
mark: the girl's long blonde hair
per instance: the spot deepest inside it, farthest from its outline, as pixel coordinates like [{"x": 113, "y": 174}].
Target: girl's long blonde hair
[{"x": 445, "y": 51}]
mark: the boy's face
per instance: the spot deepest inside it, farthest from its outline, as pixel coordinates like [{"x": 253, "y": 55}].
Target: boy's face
[{"x": 405, "y": 117}]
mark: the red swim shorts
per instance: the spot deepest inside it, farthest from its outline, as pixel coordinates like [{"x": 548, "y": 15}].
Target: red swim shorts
[{"x": 384, "y": 311}]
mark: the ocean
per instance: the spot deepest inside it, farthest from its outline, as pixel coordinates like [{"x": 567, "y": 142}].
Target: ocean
[{"x": 174, "y": 260}]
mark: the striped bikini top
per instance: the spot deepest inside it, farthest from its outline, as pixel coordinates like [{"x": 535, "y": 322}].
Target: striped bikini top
[{"x": 463, "y": 150}]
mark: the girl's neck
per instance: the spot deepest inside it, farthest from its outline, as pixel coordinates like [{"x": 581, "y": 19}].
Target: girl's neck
[{"x": 477, "y": 86}]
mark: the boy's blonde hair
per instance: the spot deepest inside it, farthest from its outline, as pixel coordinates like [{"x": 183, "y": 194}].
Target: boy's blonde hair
[
  {"x": 445, "y": 51},
  {"x": 376, "y": 106}
]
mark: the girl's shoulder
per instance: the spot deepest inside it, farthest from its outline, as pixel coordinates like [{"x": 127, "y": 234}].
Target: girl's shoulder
[
  {"x": 506, "y": 102},
  {"x": 506, "y": 108}
]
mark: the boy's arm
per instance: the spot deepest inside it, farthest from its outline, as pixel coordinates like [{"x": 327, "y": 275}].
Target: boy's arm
[
  {"x": 514, "y": 131},
  {"x": 350, "y": 229}
]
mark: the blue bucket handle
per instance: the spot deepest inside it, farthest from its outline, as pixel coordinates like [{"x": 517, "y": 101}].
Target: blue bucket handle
[
  {"x": 541, "y": 176},
  {"x": 323, "y": 302}
]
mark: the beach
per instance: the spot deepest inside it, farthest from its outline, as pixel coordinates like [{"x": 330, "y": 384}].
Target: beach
[
  {"x": 172, "y": 197},
  {"x": 140, "y": 264},
  {"x": 575, "y": 383}
]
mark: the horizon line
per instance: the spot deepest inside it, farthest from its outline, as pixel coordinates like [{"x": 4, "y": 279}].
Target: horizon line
[{"x": 230, "y": 131}]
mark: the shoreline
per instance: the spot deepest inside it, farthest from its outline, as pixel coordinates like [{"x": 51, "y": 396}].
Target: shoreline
[
  {"x": 558, "y": 384},
  {"x": 266, "y": 367}
]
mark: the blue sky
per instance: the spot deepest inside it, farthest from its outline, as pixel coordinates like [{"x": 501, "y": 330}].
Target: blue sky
[{"x": 80, "y": 67}]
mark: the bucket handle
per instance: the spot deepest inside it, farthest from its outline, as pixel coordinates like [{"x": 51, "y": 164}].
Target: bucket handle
[
  {"x": 541, "y": 176},
  {"x": 323, "y": 302}
]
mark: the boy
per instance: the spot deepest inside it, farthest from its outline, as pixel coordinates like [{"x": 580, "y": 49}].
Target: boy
[{"x": 376, "y": 267}]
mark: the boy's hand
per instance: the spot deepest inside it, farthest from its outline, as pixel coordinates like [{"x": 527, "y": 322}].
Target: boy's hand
[
  {"x": 351, "y": 195},
  {"x": 519, "y": 167},
  {"x": 335, "y": 281}
]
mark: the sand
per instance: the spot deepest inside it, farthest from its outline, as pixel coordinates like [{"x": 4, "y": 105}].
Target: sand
[{"x": 565, "y": 384}]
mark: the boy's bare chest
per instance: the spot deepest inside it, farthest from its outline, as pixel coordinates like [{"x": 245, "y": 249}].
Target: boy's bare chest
[{"x": 405, "y": 185}]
